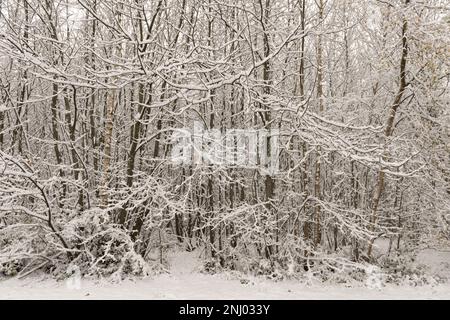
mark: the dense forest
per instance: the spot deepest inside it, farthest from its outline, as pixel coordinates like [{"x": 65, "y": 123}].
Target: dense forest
[{"x": 349, "y": 102}]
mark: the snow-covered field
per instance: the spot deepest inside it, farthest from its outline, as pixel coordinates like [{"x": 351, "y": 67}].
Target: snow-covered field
[{"x": 184, "y": 282}]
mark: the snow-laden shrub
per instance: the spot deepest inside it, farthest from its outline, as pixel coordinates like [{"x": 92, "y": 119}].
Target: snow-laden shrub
[
  {"x": 269, "y": 269},
  {"x": 11, "y": 268},
  {"x": 98, "y": 247},
  {"x": 211, "y": 266},
  {"x": 103, "y": 248},
  {"x": 403, "y": 269}
]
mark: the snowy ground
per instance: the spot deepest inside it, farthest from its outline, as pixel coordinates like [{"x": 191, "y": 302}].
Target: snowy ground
[{"x": 185, "y": 282}]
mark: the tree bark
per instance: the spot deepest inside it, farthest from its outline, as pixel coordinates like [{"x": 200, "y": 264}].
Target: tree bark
[{"x": 388, "y": 132}]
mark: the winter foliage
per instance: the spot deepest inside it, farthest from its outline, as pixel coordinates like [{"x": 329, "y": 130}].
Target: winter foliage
[{"x": 355, "y": 94}]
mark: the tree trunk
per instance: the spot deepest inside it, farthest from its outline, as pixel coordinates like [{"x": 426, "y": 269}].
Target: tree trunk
[{"x": 389, "y": 130}]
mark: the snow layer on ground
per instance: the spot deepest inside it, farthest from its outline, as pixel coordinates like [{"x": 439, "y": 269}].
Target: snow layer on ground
[
  {"x": 438, "y": 261},
  {"x": 185, "y": 282}
]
